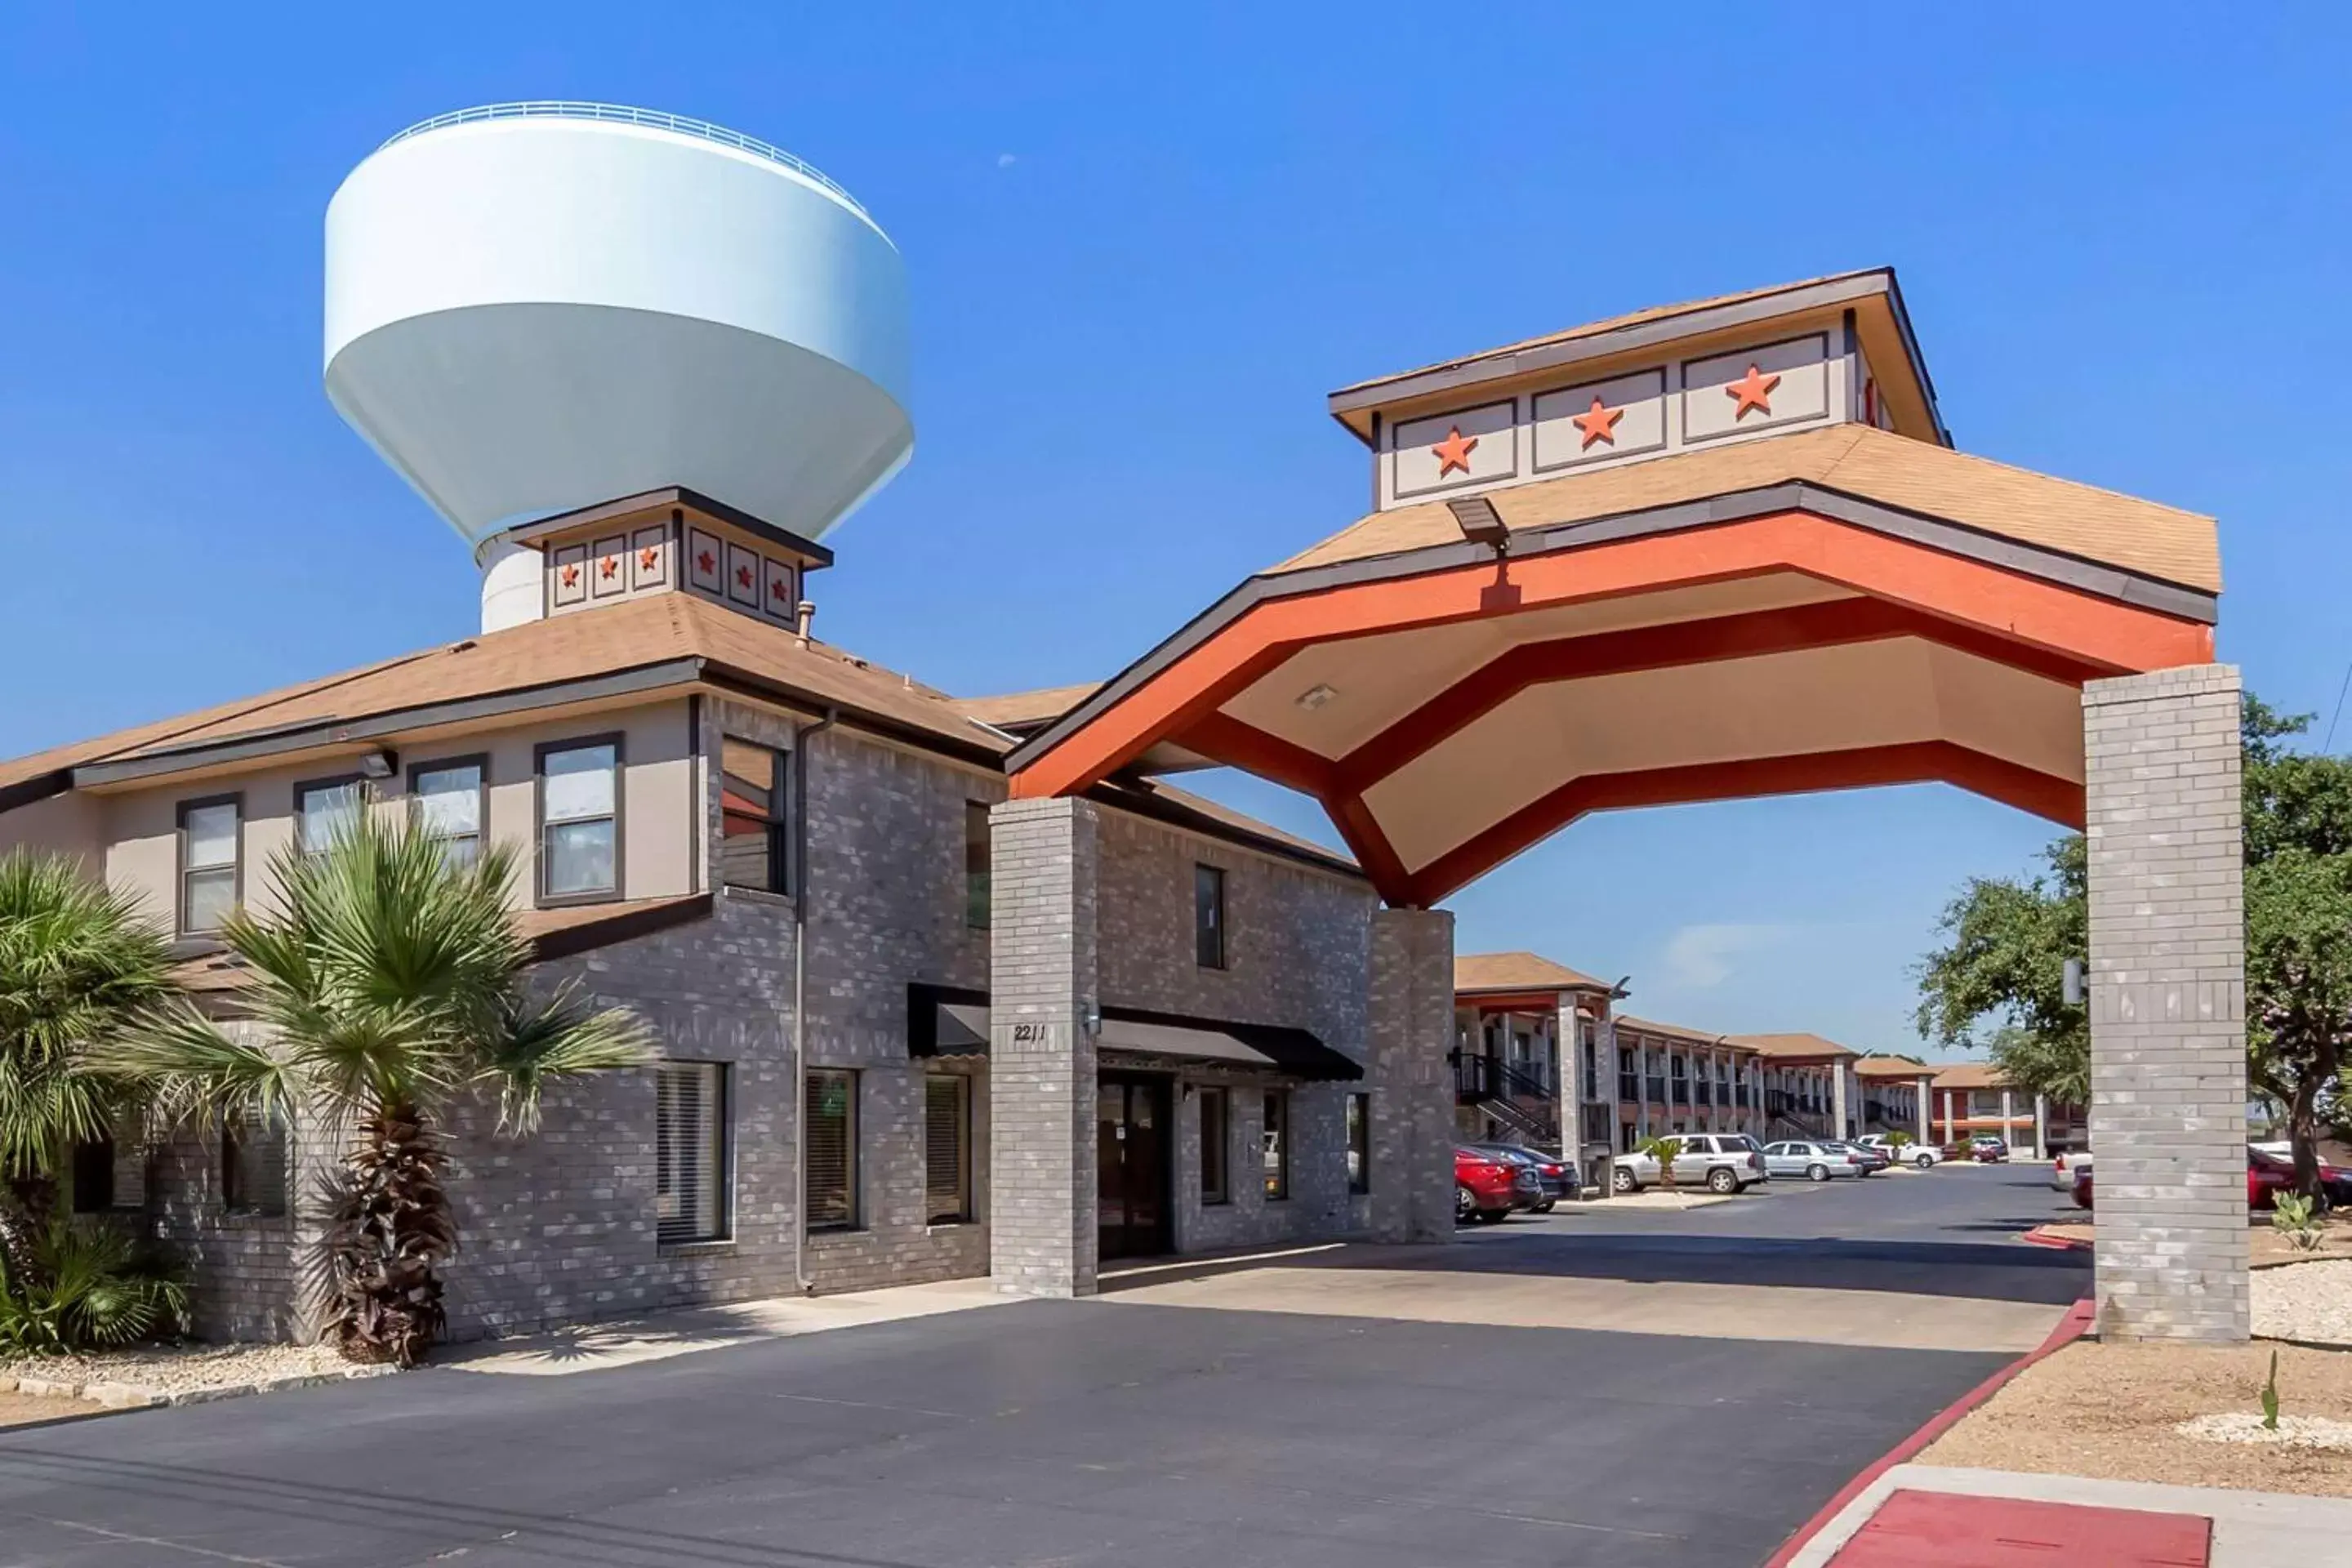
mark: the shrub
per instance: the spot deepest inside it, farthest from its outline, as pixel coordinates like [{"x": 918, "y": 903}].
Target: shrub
[
  {"x": 2296, "y": 1217},
  {"x": 87, "y": 1288}
]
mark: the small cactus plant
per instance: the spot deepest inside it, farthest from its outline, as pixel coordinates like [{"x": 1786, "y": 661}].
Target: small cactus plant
[{"x": 2270, "y": 1395}]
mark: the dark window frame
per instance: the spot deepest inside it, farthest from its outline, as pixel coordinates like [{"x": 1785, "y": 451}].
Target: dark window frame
[
  {"x": 781, "y": 864},
  {"x": 1212, "y": 946},
  {"x": 234, "y": 1199},
  {"x": 1217, "y": 1175},
  {"x": 1356, "y": 1126},
  {"x": 477, "y": 761},
  {"x": 182, "y": 870},
  {"x": 724, "y": 1171},
  {"x": 964, "y": 1206},
  {"x": 333, "y": 781},
  {"x": 854, "y": 1173},
  {"x": 1277, "y": 1179},
  {"x": 538, "y": 755},
  {"x": 979, "y": 883}
]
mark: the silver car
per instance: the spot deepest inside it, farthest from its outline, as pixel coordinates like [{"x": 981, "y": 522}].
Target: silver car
[
  {"x": 1719, "y": 1161},
  {"x": 1814, "y": 1161}
]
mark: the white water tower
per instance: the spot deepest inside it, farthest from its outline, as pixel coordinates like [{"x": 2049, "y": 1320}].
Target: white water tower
[{"x": 537, "y": 307}]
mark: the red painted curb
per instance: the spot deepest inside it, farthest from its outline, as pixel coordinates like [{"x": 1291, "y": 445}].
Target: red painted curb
[
  {"x": 2071, "y": 1327},
  {"x": 2039, "y": 1235}
]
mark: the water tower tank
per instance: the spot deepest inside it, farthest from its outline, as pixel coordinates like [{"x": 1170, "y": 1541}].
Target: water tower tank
[{"x": 537, "y": 307}]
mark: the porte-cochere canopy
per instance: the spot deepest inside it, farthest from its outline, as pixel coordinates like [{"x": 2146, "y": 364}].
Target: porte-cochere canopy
[{"x": 1837, "y": 606}]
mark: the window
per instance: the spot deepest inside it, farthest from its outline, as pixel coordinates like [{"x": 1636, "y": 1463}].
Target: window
[
  {"x": 93, "y": 1176},
  {"x": 326, "y": 811},
  {"x": 1360, "y": 1142},
  {"x": 208, "y": 871},
  {"x": 947, "y": 1148},
  {"x": 1275, "y": 1134},
  {"x": 253, "y": 1166},
  {"x": 1208, "y": 917},
  {"x": 1217, "y": 1145},
  {"x": 446, "y": 802},
  {"x": 832, "y": 1168},
  {"x": 754, "y": 845},
  {"x": 579, "y": 817},
  {"x": 691, "y": 1118},
  {"x": 977, "y": 893}
]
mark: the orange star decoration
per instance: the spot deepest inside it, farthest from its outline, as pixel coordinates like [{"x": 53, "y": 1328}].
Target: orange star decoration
[
  {"x": 1599, "y": 423},
  {"x": 648, "y": 558},
  {"x": 572, "y": 576},
  {"x": 1753, "y": 389},
  {"x": 776, "y": 590},
  {"x": 1453, "y": 452},
  {"x": 609, "y": 567},
  {"x": 743, "y": 576}
]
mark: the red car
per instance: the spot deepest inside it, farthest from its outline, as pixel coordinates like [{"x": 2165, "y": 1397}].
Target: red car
[
  {"x": 2267, "y": 1176},
  {"x": 1488, "y": 1186}
]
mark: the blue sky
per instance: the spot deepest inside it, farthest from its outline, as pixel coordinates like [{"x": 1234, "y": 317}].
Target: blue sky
[{"x": 1142, "y": 244}]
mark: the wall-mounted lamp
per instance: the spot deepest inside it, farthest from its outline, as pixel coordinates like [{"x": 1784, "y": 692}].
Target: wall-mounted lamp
[
  {"x": 1093, "y": 1019},
  {"x": 379, "y": 764}
]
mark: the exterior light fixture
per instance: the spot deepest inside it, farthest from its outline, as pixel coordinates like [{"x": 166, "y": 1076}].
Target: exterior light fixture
[
  {"x": 1316, "y": 695},
  {"x": 379, "y": 764},
  {"x": 1479, "y": 522}
]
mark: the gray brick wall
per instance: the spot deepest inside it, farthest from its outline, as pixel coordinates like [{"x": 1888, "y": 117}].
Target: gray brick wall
[
  {"x": 2168, "y": 1004},
  {"x": 1412, "y": 1019},
  {"x": 1042, "y": 988}
]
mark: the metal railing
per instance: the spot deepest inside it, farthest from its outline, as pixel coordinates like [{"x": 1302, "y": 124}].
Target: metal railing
[{"x": 623, "y": 114}]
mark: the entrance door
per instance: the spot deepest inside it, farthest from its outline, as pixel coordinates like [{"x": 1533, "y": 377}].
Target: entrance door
[{"x": 1131, "y": 1150}]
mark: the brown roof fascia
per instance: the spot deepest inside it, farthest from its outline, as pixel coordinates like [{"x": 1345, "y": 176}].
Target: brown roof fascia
[
  {"x": 1175, "y": 814},
  {"x": 1647, "y": 330},
  {"x": 622, "y": 925},
  {"x": 295, "y": 738},
  {"x": 812, "y": 554}
]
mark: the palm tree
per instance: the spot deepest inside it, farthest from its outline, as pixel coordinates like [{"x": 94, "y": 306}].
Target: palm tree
[
  {"x": 390, "y": 982},
  {"x": 77, "y": 963}
]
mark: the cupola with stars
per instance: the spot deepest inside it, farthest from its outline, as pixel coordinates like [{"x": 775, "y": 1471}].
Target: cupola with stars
[
  {"x": 1657, "y": 384},
  {"x": 672, "y": 541}
]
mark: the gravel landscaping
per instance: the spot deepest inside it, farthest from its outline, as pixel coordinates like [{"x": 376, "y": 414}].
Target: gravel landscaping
[
  {"x": 2291, "y": 1431},
  {"x": 2309, "y": 1301},
  {"x": 175, "y": 1375},
  {"x": 2114, "y": 1412}
]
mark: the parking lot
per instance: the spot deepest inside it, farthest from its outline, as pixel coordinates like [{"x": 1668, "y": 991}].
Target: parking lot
[{"x": 1607, "y": 1384}]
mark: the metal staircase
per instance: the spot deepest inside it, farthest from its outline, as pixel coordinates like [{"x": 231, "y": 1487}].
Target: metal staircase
[{"x": 1522, "y": 1105}]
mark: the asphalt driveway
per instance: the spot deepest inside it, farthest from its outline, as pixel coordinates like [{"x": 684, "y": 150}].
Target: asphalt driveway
[{"x": 1063, "y": 1433}]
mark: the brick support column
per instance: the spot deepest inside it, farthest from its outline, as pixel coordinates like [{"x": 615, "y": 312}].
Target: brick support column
[
  {"x": 1570, "y": 1091},
  {"x": 2168, "y": 1004},
  {"x": 1042, "y": 992},
  {"x": 1412, "y": 1019}
]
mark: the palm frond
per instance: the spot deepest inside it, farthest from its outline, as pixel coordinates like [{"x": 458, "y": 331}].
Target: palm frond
[
  {"x": 190, "y": 1067},
  {"x": 534, "y": 1043}
]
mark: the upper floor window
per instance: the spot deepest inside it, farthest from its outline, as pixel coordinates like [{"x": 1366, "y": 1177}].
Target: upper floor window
[
  {"x": 977, "y": 888},
  {"x": 449, "y": 802},
  {"x": 580, "y": 820},
  {"x": 327, "y": 811},
  {"x": 1209, "y": 917},
  {"x": 208, "y": 863},
  {"x": 755, "y": 849}
]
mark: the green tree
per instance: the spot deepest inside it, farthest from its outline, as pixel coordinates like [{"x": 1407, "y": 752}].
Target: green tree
[
  {"x": 390, "y": 983},
  {"x": 2007, "y": 942},
  {"x": 77, "y": 963}
]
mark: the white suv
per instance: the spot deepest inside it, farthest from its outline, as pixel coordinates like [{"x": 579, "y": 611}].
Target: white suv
[
  {"x": 1925, "y": 1157},
  {"x": 1720, "y": 1162}
]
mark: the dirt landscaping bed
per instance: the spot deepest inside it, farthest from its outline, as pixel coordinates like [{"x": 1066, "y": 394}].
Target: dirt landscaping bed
[{"x": 2111, "y": 1411}]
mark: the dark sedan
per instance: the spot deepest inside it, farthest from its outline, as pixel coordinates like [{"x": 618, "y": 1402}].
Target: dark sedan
[{"x": 1556, "y": 1180}]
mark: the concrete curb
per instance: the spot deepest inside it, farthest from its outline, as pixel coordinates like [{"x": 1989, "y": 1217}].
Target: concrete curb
[
  {"x": 116, "y": 1394},
  {"x": 2071, "y": 1327}
]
